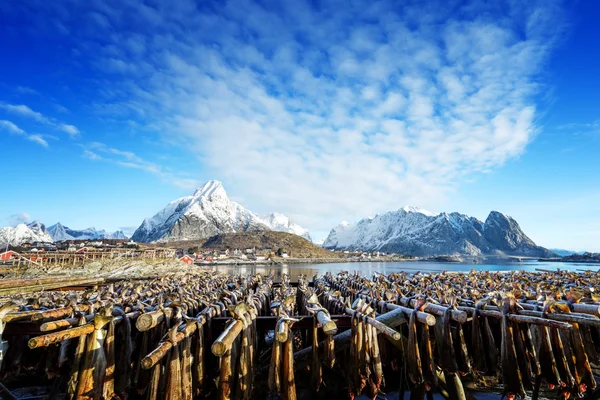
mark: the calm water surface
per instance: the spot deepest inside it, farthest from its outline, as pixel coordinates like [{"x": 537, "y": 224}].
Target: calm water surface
[{"x": 368, "y": 268}]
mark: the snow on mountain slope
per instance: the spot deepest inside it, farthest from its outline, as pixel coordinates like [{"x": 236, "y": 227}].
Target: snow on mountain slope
[
  {"x": 59, "y": 232},
  {"x": 206, "y": 213},
  {"x": 281, "y": 223},
  {"x": 116, "y": 235},
  {"x": 33, "y": 232},
  {"x": 417, "y": 232}
]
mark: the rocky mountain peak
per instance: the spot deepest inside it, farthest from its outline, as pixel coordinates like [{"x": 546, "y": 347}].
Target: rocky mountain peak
[
  {"x": 211, "y": 189},
  {"x": 279, "y": 222},
  {"x": 410, "y": 230},
  {"x": 207, "y": 212}
]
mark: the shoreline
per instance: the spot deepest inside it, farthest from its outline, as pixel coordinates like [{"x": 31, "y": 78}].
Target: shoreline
[
  {"x": 569, "y": 261},
  {"x": 298, "y": 261}
]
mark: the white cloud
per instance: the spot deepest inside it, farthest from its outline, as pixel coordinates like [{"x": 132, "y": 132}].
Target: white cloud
[
  {"x": 97, "y": 151},
  {"x": 38, "y": 139},
  {"x": 329, "y": 111},
  {"x": 69, "y": 129},
  {"x": 19, "y": 218},
  {"x": 14, "y": 129},
  {"x": 10, "y": 127},
  {"x": 25, "y": 111}
]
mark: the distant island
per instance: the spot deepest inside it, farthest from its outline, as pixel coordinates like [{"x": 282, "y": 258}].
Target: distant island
[{"x": 576, "y": 258}]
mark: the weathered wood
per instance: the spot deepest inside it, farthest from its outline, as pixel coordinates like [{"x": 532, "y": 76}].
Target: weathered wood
[
  {"x": 329, "y": 327},
  {"x": 152, "y": 319},
  {"x": 435, "y": 309},
  {"x": 53, "y": 314},
  {"x": 50, "y": 285},
  {"x": 62, "y": 323},
  {"x": 225, "y": 340},
  {"x": 520, "y": 318},
  {"x": 593, "y": 309},
  {"x": 386, "y": 330},
  {"x": 564, "y": 317},
  {"x": 56, "y": 337},
  {"x": 19, "y": 316},
  {"x": 422, "y": 317},
  {"x": 163, "y": 347}
]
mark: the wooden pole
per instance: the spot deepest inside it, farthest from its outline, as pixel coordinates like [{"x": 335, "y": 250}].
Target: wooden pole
[
  {"x": 329, "y": 327},
  {"x": 225, "y": 340},
  {"x": 386, "y": 330},
  {"x": 520, "y": 318},
  {"x": 163, "y": 347},
  {"x": 456, "y": 315},
  {"x": 56, "y": 337},
  {"x": 149, "y": 320},
  {"x": 53, "y": 314},
  {"x": 422, "y": 317}
]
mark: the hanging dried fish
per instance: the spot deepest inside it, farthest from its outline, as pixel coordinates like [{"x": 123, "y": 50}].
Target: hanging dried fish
[
  {"x": 477, "y": 346},
  {"x": 79, "y": 355},
  {"x": 549, "y": 369},
  {"x": 93, "y": 368},
  {"x": 413, "y": 360},
  {"x": 448, "y": 357},
  {"x": 511, "y": 375}
]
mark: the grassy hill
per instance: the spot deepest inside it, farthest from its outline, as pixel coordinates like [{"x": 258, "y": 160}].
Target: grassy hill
[{"x": 294, "y": 245}]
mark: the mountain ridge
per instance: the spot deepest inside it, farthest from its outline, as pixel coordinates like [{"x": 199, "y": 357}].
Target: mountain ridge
[
  {"x": 281, "y": 223},
  {"x": 412, "y": 231},
  {"x": 207, "y": 212},
  {"x": 24, "y": 233}
]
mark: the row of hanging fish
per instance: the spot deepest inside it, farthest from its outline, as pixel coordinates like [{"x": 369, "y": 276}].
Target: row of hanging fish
[{"x": 528, "y": 332}]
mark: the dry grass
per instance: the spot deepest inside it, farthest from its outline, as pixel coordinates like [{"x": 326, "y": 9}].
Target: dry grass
[{"x": 294, "y": 245}]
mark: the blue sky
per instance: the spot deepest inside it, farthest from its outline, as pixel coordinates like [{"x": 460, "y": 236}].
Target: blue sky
[{"x": 324, "y": 111}]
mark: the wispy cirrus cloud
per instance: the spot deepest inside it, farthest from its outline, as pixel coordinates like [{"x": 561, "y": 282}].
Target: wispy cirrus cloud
[
  {"x": 10, "y": 127},
  {"x": 96, "y": 151},
  {"x": 581, "y": 127},
  {"x": 26, "y": 112},
  {"x": 343, "y": 108}
]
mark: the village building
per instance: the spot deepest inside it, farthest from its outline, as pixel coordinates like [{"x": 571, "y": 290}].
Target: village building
[
  {"x": 8, "y": 255},
  {"x": 187, "y": 259}
]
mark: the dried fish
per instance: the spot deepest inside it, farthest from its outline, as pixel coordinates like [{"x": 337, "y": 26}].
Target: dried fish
[
  {"x": 93, "y": 368},
  {"x": 511, "y": 375}
]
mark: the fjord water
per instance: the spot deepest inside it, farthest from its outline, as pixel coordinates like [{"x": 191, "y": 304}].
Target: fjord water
[{"x": 368, "y": 268}]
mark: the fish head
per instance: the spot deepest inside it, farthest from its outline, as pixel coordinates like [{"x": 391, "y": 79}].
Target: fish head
[
  {"x": 171, "y": 335},
  {"x": 313, "y": 299},
  {"x": 101, "y": 320}
]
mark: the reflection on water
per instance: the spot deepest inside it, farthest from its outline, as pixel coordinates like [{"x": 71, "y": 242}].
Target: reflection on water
[{"x": 368, "y": 268}]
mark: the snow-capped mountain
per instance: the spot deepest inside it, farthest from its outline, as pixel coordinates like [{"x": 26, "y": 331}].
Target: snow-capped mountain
[
  {"x": 59, "y": 232},
  {"x": 206, "y": 213},
  {"x": 117, "y": 235},
  {"x": 33, "y": 232},
  {"x": 420, "y": 233},
  {"x": 281, "y": 223}
]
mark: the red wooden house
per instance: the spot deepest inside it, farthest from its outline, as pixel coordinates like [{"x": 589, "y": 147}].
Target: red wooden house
[
  {"x": 8, "y": 255},
  {"x": 187, "y": 259}
]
